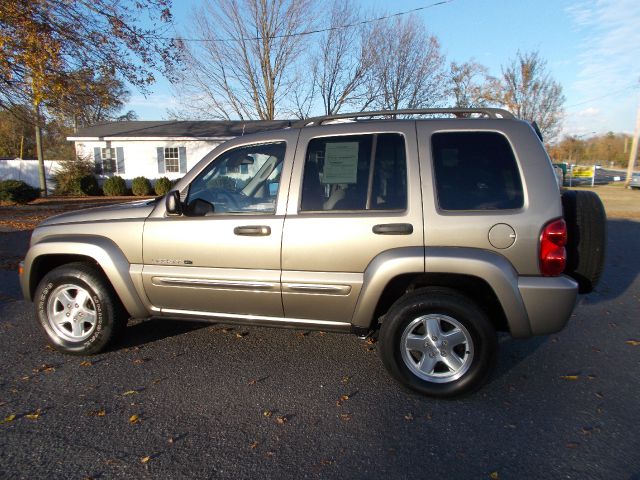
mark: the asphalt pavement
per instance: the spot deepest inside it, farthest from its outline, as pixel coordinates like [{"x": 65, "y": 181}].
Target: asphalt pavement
[{"x": 196, "y": 400}]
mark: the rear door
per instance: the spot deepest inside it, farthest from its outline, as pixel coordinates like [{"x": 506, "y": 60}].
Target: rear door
[{"x": 355, "y": 194}]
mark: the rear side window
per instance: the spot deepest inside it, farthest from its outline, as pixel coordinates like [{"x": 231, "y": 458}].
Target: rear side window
[
  {"x": 355, "y": 172},
  {"x": 475, "y": 171}
]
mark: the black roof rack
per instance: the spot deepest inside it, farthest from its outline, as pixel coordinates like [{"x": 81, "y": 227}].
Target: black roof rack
[{"x": 461, "y": 112}]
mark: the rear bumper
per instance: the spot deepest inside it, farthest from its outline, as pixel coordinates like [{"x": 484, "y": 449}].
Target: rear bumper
[{"x": 549, "y": 302}]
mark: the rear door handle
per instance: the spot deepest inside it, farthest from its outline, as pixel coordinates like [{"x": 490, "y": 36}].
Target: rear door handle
[
  {"x": 393, "y": 229},
  {"x": 253, "y": 230}
]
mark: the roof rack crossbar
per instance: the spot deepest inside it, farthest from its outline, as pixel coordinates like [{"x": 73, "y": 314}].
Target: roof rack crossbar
[{"x": 489, "y": 112}]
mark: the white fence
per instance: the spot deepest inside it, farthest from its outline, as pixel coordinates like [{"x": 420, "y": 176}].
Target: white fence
[{"x": 27, "y": 171}]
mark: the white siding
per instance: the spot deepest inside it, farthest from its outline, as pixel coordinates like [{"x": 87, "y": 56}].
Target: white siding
[{"x": 140, "y": 156}]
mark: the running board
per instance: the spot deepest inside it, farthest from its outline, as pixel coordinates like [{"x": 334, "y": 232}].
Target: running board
[{"x": 255, "y": 320}]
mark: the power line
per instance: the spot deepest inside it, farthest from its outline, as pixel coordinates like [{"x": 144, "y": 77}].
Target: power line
[
  {"x": 615, "y": 92},
  {"x": 311, "y": 32}
]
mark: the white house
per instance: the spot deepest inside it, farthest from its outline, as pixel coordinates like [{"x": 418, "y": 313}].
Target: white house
[{"x": 157, "y": 149}]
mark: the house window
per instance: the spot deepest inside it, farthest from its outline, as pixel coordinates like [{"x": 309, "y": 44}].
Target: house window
[
  {"x": 171, "y": 159},
  {"x": 108, "y": 160}
]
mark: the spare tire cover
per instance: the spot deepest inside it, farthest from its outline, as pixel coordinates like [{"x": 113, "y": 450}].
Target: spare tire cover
[{"x": 586, "y": 237}]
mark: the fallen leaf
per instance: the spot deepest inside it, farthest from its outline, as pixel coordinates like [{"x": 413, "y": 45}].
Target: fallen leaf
[
  {"x": 327, "y": 462},
  {"x": 133, "y": 419},
  {"x": 371, "y": 340},
  {"x": 494, "y": 476},
  {"x": 129, "y": 392},
  {"x": 302, "y": 334},
  {"x": 267, "y": 413},
  {"x": 86, "y": 363},
  {"x": 44, "y": 368},
  {"x": 345, "y": 417},
  {"x": 253, "y": 445},
  {"x": 342, "y": 399},
  {"x": 281, "y": 419},
  {"x": 227, "y": 330},
  {"x": 25, "y": 378},
  {"x": 569, "y": 377},
  {"x": 145, "y": 459},
  {"x": 586, "y": 431},
  {"x": 252, "y": 382},
  {"x": 346, "y": 379},
  {"x": 139, "y": 361},
  {"x": 241, "y": 334},
  {"x": 573, "y": 445},
  {"x": 34, "y": 415},
  {"x": 170, "y": 440},
  {"x": 408, "y": 417},
  {"x": 98, "y": 413},
  {"x": 633, "y": 343},
  {"x": 9, "y": 418}
]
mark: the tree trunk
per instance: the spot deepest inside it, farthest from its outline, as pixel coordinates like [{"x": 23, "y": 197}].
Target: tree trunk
[{"x": 41, "y": 172}]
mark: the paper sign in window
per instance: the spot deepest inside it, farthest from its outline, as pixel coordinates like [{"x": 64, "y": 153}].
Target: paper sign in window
[{"x": 340, "y": 162}]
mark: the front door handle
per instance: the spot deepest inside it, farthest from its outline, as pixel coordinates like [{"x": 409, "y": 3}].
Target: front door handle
[
  {"x": 393, "y": 229},
  {"x": 253, "y": 230}
]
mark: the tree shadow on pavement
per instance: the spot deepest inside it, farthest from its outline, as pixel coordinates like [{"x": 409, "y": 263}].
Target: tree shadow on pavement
[{"x": 622, "y": 261}]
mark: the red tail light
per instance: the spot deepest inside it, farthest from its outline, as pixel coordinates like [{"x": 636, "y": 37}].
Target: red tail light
[{"x": 553, "y": 255}]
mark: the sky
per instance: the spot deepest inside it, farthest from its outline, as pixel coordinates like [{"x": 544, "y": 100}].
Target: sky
[{"x": 592, "y": 48}]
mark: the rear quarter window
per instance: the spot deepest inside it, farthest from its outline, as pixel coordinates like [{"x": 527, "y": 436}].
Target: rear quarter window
[{"x": 475, "y": 171}]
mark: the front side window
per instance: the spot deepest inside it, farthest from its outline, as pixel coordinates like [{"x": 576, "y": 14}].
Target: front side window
[
  {"x": 171, "y": 159},
  {"x": 242, "y": 180},
  {"x": 108, "y": 160},
  {"x": 475, "y": 171},
  {"x": 355, "y": 172}
]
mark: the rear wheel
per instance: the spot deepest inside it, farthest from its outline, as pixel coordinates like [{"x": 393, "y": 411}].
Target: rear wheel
[
  {"x": 586, "y": 237},
  {"x": 78, "y": 310},
  {"x": 438, "y": 342}
]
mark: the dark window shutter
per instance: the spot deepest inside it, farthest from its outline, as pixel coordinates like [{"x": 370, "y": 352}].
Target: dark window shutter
[
  {"x": 97, "y": 160},
  {"x": 120, "y": 160},
  {"x": 182, "y": 154},
  {"x": 160, "y": 151}
]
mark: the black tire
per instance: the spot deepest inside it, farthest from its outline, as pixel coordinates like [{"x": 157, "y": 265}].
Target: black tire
[
  {"x": 586, "y": 237},
  {"x": 446, "y": 304},
  {"x": 101, "y": 316}
]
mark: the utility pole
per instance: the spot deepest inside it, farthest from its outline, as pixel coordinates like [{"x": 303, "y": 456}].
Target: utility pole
[
  {"x": 41, "y": 169},
  {"x": 634, "y": 149}
]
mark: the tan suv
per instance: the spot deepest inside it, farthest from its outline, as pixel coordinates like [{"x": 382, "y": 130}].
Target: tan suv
[{"x": 435, "y": 232}]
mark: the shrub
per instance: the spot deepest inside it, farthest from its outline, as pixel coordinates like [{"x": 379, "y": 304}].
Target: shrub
[
  {"x": 141, "y": 187},
  {"x": 115, "y": 186},
  {"x": 163, "y": 185},
  {"x": 87, "y": 185},
  {"x": 72, "y": 177},
  {"x": 16, "y": 191}
]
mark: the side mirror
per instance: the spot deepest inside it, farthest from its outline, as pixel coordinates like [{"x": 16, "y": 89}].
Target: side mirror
[{"x": 173, "y": 204}]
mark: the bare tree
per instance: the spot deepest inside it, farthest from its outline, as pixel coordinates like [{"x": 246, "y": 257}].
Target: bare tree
[
  {"x": 469, "y": 84},
  {"x": 527, "y": 90},
  {"x": 244, "y": 68},
  {"x": 408, "y": 67},
  {"x": 344, "y": 58}
]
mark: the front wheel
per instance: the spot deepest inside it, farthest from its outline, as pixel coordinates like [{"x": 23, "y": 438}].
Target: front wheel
[
  {"x": 78, "y": 310},
  {"x": 438, "y": 342}
]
